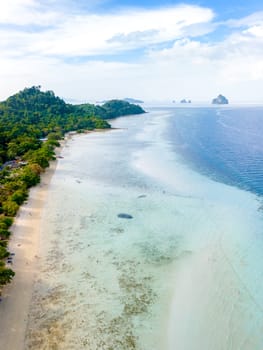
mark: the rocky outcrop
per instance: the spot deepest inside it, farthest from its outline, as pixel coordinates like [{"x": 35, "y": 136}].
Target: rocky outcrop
[{"x": 220, "y": 100}]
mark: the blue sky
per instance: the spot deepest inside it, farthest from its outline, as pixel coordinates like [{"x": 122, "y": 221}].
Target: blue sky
[
  {"x": 222, "y": 7},
  {"x": 152, "y": 50}
]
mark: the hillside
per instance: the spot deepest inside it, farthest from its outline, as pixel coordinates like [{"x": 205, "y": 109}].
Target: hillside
[
  {"x": 112, "y": 109},
  {"x": 32, "y": 114}
]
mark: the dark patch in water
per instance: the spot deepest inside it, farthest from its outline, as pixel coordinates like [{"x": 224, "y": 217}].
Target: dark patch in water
[
  {"x": 117, "y": 230},
  {"x": 142, "y": 196},
  {"x": 160, "y": 252},
  {"x": 125, "y": 216}
]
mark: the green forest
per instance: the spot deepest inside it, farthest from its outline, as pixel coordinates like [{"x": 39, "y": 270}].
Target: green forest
[
  {"x": 31, "y": 124},
  {"x": 112, "y": 109}
]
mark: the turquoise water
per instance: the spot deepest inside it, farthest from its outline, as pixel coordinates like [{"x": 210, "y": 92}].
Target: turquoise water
[{"x": 184, "y": 273}]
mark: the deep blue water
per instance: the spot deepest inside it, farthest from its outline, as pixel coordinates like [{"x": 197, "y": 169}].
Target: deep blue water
[{"x": 225, "y": 143}]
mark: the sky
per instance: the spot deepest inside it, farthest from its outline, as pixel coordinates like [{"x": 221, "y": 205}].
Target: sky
[{"x": 151, "y": 50}]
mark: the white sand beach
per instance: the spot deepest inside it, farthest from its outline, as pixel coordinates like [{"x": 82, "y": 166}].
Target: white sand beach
[{"x": 24, "y": 243}]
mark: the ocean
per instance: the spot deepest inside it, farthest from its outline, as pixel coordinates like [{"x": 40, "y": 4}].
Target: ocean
[
  {"x": 152, "y": 236},
  {"x": 225, "y": 144}
]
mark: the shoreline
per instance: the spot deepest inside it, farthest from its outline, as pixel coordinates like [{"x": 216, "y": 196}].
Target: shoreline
[
  {"x": 24, "y": 243},
  {"x": 65, "y": 305}
]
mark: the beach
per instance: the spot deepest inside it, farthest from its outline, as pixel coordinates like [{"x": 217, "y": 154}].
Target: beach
[{"x": 24, "y": 243}]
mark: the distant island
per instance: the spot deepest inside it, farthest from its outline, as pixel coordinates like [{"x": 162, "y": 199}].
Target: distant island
[
  {"x": 126, "y": 99},
  {"x": 182, "y": 101},
  {"x": 220, "y": 100},
  {"x": 31, "y": 124},
  {"x": 132, "y": 100}
]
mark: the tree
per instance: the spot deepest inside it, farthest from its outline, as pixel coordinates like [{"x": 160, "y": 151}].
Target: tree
[
  {"x": 6, "y": 275},
  {"x": 3, "y": 252},
  {"x": 5, "y": 221},
  {"x": 4, "y": 234},
  {"x": 10, "y": 208},
  {"x": 19, "y": 196},
  {"x": 29, "y": 177}
]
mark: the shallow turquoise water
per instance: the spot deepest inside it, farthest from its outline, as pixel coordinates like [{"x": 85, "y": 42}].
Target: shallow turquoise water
[{"x": 184, "y": 273}]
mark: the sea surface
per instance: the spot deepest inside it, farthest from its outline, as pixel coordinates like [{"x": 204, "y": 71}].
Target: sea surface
[{"x": 183, "y": 268}]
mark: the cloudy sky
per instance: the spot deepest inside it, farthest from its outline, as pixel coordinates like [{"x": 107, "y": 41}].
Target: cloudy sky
[{"x": 152, "y": 50}]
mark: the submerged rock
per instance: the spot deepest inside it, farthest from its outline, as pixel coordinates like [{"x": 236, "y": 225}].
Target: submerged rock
[{"x": 125, "y": 216}]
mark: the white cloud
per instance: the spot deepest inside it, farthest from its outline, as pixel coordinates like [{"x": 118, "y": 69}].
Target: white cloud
[
  {"x": 253, "y": 19},
  {"x": 93, "y": 34},
  {"x": 256, "y": 31},
  {"x": 191, "y": 68},
  {"x": 86, "y": 81},
  {"x": 25, "y": 12},
  {"x": 233, "y": 65}
]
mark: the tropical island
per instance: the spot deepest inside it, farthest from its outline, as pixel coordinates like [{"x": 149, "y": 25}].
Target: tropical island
[
  {"x": 31, "y": 124},
  {"x": 220, "y": 100}
]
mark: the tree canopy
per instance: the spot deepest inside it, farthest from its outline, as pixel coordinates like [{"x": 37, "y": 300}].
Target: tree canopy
[
  {"x": 112, "y": 109},
  {"x": 31, "y": 114}
]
